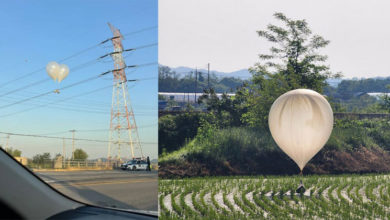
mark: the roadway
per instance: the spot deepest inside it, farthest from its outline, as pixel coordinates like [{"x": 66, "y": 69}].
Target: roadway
[{"x": 109, "y": 188}]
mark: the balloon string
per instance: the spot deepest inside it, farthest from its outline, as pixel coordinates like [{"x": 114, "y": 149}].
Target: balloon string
[{"x": 301, "y": 175}]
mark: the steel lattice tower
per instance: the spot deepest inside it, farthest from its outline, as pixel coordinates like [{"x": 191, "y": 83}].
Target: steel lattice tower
[{"x": 123, "y": 128}]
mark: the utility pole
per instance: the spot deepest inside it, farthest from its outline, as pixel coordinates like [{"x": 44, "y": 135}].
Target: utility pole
[
  {"x": 208, "y": 76},
  {"x": 63, "y": 148},
  {"x": 63, "y": 153},
  {"x": 123, "y": 128},
  {"x": 73, "y": 131},
  {"x": 196, "y": 82},
  {"x": 7, "y": 144}
]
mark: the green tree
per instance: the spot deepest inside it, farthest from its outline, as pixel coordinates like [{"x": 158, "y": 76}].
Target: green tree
[
  {"x": 41, "y": 158},
  {"x": 174, "y": 130},
  {"x": 227, "y": 109},
  {"x": 293, "y": 62},
  {"x": 14, "y": 152},
  {"x": 79, "y": 154}
]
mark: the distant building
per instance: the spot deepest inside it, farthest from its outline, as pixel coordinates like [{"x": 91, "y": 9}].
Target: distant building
[
  {"x": 359, "y": 94},
  {"x": 377, "y": 94},
  {"x": 22, "y": 160},
  {"x": 162, "y": 104},
  {"x": 185, "y": 97}
]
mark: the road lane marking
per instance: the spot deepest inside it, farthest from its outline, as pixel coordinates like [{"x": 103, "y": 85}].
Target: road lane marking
[{"x": 51, "y": 181}]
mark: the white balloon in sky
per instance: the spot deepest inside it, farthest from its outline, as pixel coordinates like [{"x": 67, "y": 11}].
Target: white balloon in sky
[
  {"x": 52, "y": 69},
  {"x": 63, "y": 72},
  {"x": 301, "y": 122}
]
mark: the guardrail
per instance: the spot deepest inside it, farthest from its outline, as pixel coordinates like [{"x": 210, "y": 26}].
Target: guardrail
[{"x": 72, "y": 164}]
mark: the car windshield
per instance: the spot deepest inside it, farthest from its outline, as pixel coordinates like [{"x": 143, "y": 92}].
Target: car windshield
[{"x": 79, "y": 97}]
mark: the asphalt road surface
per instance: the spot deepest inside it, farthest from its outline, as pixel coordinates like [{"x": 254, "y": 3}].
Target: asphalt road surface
[{"x": 135, "y": 190}]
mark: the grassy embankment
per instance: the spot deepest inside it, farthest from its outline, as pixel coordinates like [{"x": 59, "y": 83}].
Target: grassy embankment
[{"x": 357, "y": 146}]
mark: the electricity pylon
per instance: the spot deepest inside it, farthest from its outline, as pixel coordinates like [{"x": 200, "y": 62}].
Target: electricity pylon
[{"x": 123, "y": 128}]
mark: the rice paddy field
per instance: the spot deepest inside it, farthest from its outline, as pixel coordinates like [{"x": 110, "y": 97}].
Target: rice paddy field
[{"x": 326, "y": 197}]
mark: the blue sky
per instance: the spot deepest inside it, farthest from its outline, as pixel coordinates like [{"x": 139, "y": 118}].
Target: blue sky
[{"x": 37, "y": 32}]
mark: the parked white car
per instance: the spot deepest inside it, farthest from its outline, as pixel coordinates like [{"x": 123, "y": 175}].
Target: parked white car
[{"x": 137, "y": 165}]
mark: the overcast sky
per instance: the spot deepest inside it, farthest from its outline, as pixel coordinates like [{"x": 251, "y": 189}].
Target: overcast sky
[{"x": 223, "y": 33}]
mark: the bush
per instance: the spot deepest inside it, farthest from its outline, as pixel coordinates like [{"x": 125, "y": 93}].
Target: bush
[
  {"x": 240, "y": 150},
  {"x": 174, "y": 130}
]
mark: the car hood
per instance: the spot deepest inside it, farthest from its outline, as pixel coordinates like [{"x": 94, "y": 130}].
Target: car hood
[{"x": 147, "y": 212}]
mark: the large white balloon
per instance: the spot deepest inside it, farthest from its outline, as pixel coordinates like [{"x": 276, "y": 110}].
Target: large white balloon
[
  {"x": 52, "y": 70},
  {"x": 63, "y": 72},
  {"x": 301, "y": 122}
]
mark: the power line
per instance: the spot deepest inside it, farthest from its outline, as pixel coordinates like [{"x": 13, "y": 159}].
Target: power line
[
  {"x": 128, "y": 50},
  {"x": 98, "y": 103},
  {"x": 75, "y": 54},
  {"x": 80, "y": 67},
  {"x": 68, "y": 98},
  {"x": 25, "y": 87},
  {"x": 50, "y": 92},
  {"x": 141, "y": 30},
  {"x": 48, "y": 79},
  {"x": 76, "y": 139},
  {"x": 43, "y": 105},
  {"x": 43, "y": 68},
  {"x": 93, "y": 130}
]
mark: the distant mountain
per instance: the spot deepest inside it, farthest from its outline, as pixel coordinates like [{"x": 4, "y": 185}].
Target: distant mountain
[
  {"x": 242, "y": 74},
  {"x": 334, "y": 82}
]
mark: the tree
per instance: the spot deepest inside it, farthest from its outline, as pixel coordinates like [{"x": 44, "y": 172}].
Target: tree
[
  {"x": 227, "y": 109},
  {"x": 79, "y": 154},
  {"x": 174, "y": 130},
  {"x": 14, "y": 153},
  {"x": 41, "y": 158},
  {"x": 293, "y": 62},
  {"x": 385, "y": 100}
]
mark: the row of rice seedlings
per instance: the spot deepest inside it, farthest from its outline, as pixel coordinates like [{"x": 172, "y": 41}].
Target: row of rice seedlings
[
  {"x": 353, "y": 210},
  {"x": 248, "y": 212},
  {"x": 253, "y": 209},
  {"x": 196, "y": 204},
  {"x": 210, "y": 211},
  {"x": 366, "y": 208},
  {"x": 358, "y": 200},
  {"x": 179, "y": 211},
  {"x": 349, "y": 191},
  {"x": 314, "y": 208},
  {"x": 279, "y": 204},
  {"x": 339, "y": 206},
  {"x": 217, "y": 206},
  {"x": 384, "y": 199},
  {"x": 322, "y": 203},
  {"x": 266, "y": 209},
  {"x": 163, "y": 211},
  {"x": 188, "y": 212},
  {"x": 227, "y": 203},
  {"x": 377, "y": 209},
  {"x": 345, "y": 209},
  {"x": 274, "y": 210},
  {"x": 234, "y": 214}
]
